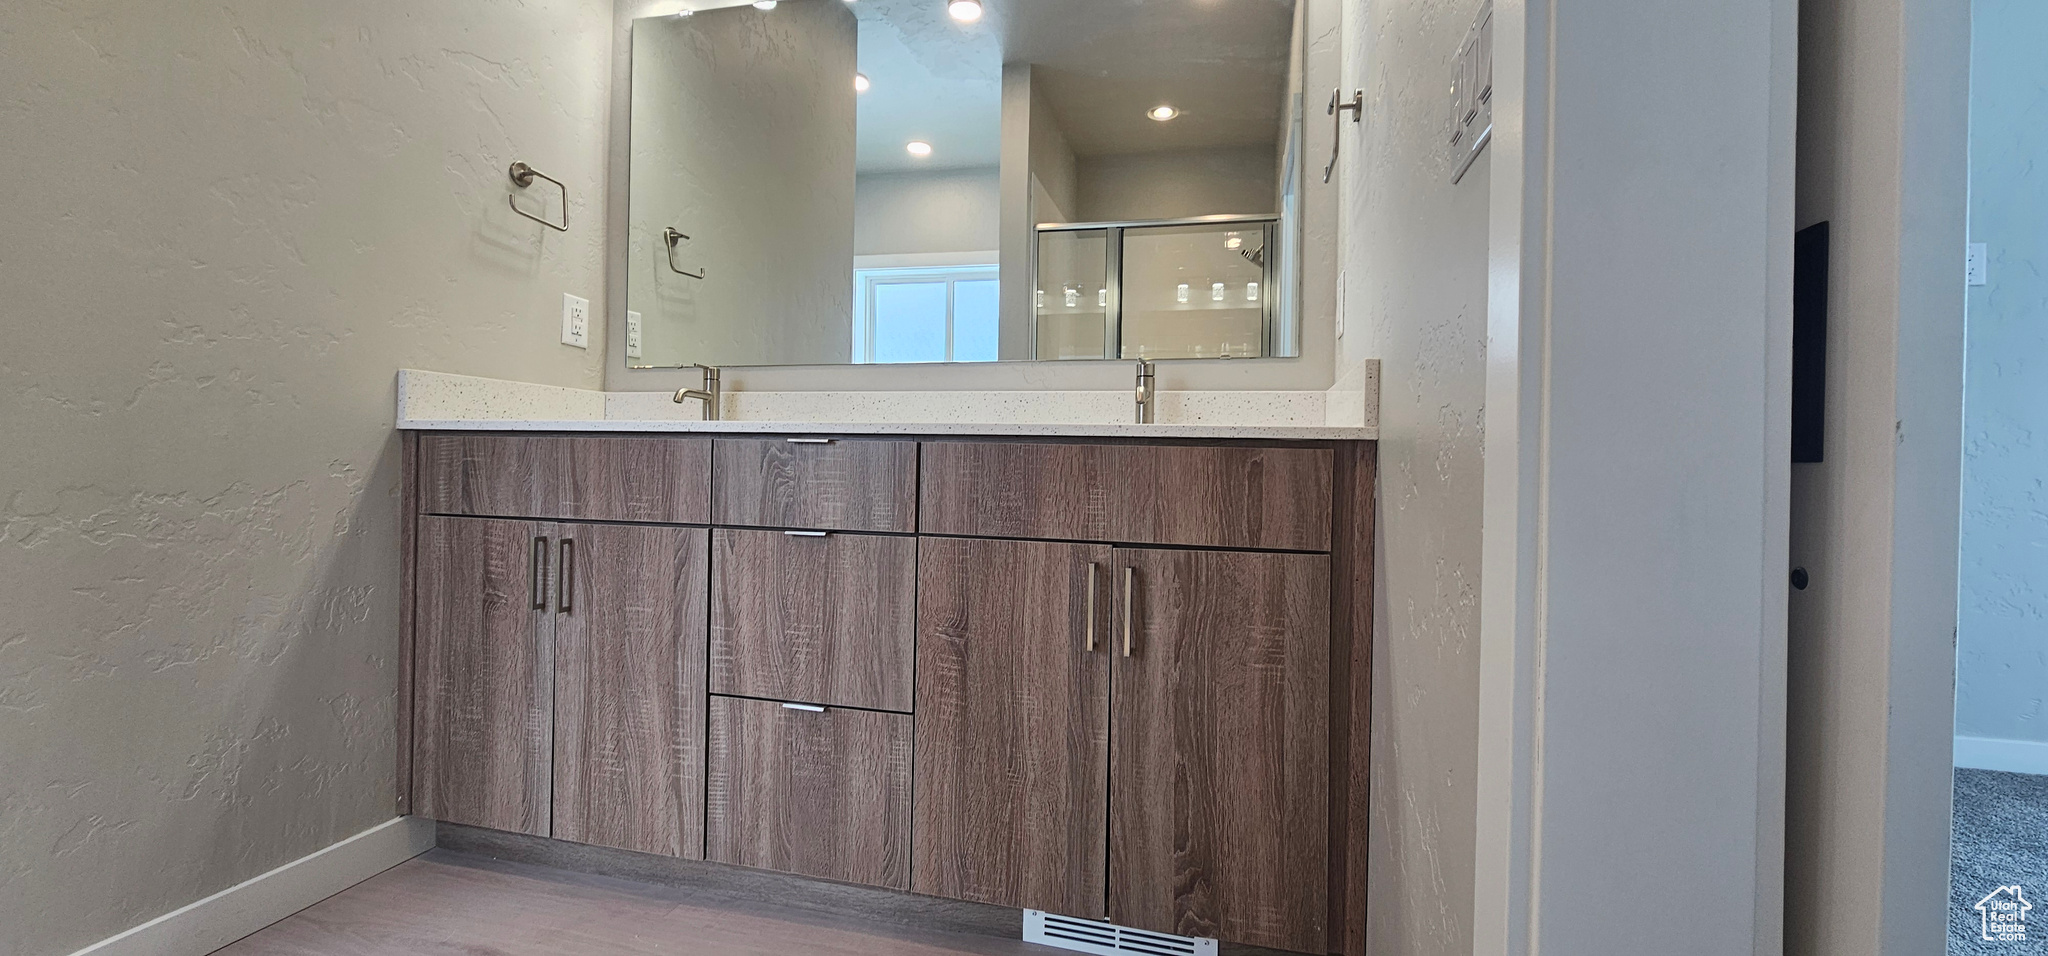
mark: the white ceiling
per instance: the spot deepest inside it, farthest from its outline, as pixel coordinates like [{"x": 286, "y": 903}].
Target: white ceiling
[
  {"x": 1101, "y": 64},
  {"x": 934, "y": 79}
]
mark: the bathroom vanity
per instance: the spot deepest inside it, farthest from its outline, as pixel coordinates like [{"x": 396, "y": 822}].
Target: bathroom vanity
[
  {"x": 1089, "y": 674},
  {"x": 962, "y": 645}
]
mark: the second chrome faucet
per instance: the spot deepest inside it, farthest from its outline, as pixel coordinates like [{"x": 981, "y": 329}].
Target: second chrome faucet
[
  {"x": 708, "y": 394},
  {"x": 1145, "y": 393}
]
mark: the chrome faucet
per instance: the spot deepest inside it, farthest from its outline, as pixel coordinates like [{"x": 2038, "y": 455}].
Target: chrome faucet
[
  {"x": 708, "y": 394},
  {"x": 1145, "y": 394}
]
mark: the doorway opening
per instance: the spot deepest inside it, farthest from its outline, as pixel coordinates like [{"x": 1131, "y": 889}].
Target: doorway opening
[{"x": 1998, "y": 886}]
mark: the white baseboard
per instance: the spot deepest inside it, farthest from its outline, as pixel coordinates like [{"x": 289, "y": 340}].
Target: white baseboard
[
  {"x": 1997, "y": 753},
  {"x": 235, "y": 912}
]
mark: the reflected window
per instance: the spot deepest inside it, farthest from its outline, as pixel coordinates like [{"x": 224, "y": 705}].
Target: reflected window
[{"x": 925, "y": 315}]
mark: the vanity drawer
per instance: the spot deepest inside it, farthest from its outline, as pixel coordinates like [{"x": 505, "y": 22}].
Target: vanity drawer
[
  {"x": 1205, "y": 495},
  {"x": 832, "y": 484},
  {"x": 593, "y": 478},
  {"x": 824, "y": 792},
  {"x": 823, "y": 618}
]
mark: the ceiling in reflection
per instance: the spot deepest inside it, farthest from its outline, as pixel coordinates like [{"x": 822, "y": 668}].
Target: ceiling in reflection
[
  {"x": 932, "y": 79},
  {"x": 1100, "y": 64}
]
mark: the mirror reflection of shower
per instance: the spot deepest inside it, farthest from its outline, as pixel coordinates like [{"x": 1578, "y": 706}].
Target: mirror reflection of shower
[{"x": 865, "y": 182}]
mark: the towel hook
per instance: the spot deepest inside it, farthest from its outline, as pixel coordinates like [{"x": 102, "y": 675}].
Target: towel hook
[
  {"x": 522, "y": 176},
  {"x": 671, "y": 236},
  {"x": 1357, "y": 108}
]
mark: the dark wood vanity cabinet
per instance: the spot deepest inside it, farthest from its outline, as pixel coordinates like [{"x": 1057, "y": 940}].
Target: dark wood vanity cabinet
[
  {"x": 561, "y": 680},
  {"x": 815, "y": 617},
  {"x": 629, "y": 687},
  {"x": 1225, "y": 496},
  {"x": 1219, "y": 727},
  {"x": 484, "y": 691},
  {"x": 1131, "y": 678},
  {"x": 801, "y": 788},
  {"x": 581, "y": 477},
  {"x": 1013, "y": 658},
  {"x": 834, "y": 484}
]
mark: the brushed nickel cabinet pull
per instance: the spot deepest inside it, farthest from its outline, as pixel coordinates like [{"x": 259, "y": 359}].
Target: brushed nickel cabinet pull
[
  {"x": 806, "y": 708},
  {"x": 568, "y": 576},
  {"x": 807, "y": 534},
  {"x": 1092, "y": 568},
  {"x": 540, "y": 571},
  {"x": 1130, "y": 589},
  {"x": 811, "y": 441}
]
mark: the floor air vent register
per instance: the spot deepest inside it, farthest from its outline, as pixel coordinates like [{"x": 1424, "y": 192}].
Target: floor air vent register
[{"x": 1108, "y": 939}]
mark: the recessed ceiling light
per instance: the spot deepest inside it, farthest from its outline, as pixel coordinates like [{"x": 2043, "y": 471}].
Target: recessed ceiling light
[
  {"x": 1162, "y": 112},
  {"x": 918, "y": 147},
  {"x": 764, "y": 4},
  {"x": 686, "y": 12},
  {"x": 965, "y": 11},
  {"x": 860, "y": 82}
]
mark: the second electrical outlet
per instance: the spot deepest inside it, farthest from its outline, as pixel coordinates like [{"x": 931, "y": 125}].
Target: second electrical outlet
[{"x": 575, "y": 321}]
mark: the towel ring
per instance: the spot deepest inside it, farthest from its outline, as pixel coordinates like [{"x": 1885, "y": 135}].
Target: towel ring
[
  {"x": 522, "y": 176},
  {"x": 671, "y": 236}
]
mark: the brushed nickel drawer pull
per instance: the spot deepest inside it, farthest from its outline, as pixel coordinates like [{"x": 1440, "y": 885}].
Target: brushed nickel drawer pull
[
  {"x": 808, "y": 534},
  {"x": 568, "y": 576},
  {"x": 811, "y": 441},
  {"x": 540, "y": 565},
  {"x": 1092, "y": 568},
  {"x": 806, "y": 708},
  {"x": 1130, "y": 588}
]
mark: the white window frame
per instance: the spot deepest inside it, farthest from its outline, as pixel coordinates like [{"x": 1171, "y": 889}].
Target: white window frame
[{"x": 872, "y": 271}]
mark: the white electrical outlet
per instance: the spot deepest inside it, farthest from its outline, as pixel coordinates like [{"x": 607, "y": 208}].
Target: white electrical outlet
[
  {"x": 1977, "y": 265},
  {"x": 633, "y": 334},
  {"x": 575, "y": 321}
]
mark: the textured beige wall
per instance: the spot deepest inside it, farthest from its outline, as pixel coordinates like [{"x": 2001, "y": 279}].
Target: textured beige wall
[
  {"x": 228, "y": 225},
  {"x": 1178, "y": 184},
  {"x": 743, "y": 138},
  {"x": 1415, "y": 266},
  {"x": 945, "y": 210}
]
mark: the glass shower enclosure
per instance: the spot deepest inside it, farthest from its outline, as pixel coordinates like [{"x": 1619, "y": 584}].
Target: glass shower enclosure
[{"x": 1178, "y": 289}]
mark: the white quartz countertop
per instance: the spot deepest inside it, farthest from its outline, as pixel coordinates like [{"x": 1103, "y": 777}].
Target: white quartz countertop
[
  {"x": 435, "y": 401},
  {"x": 993, "y": 429}
]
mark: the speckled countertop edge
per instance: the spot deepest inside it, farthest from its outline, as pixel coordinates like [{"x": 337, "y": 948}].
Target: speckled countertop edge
[{"x": 993, "y": 429}]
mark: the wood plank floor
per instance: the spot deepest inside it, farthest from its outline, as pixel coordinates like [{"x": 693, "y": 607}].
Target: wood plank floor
[{"x": 454, "y": 904}]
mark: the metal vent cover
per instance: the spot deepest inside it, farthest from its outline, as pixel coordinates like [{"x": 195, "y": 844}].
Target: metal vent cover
[{"x": 1108, "y": 939}]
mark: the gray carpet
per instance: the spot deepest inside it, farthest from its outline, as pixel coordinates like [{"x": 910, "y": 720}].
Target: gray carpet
[{"x": 2001, "y": 839}]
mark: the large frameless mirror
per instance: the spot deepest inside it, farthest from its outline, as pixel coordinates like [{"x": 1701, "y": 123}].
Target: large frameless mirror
[{"x": 894, "y": 181}]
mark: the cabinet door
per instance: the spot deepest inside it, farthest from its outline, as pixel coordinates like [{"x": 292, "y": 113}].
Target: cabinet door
[
  {"x": 1012, "y": 723},
  {"x": 485, "y": 698},
  {"x": 1219, "y": 809},
  {"x": 805, "y": 789},
  {"x": 814, "y": 617},
  {"x": 629, "y": 687}
]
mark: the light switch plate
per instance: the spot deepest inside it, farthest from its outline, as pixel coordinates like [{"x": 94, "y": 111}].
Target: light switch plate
[
  {"x": 1472, "y": 95},
  {"x": 632, "y": 334},
  {"x": 1977, "y": 265},
  {"x": 575, "y": 321}
]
